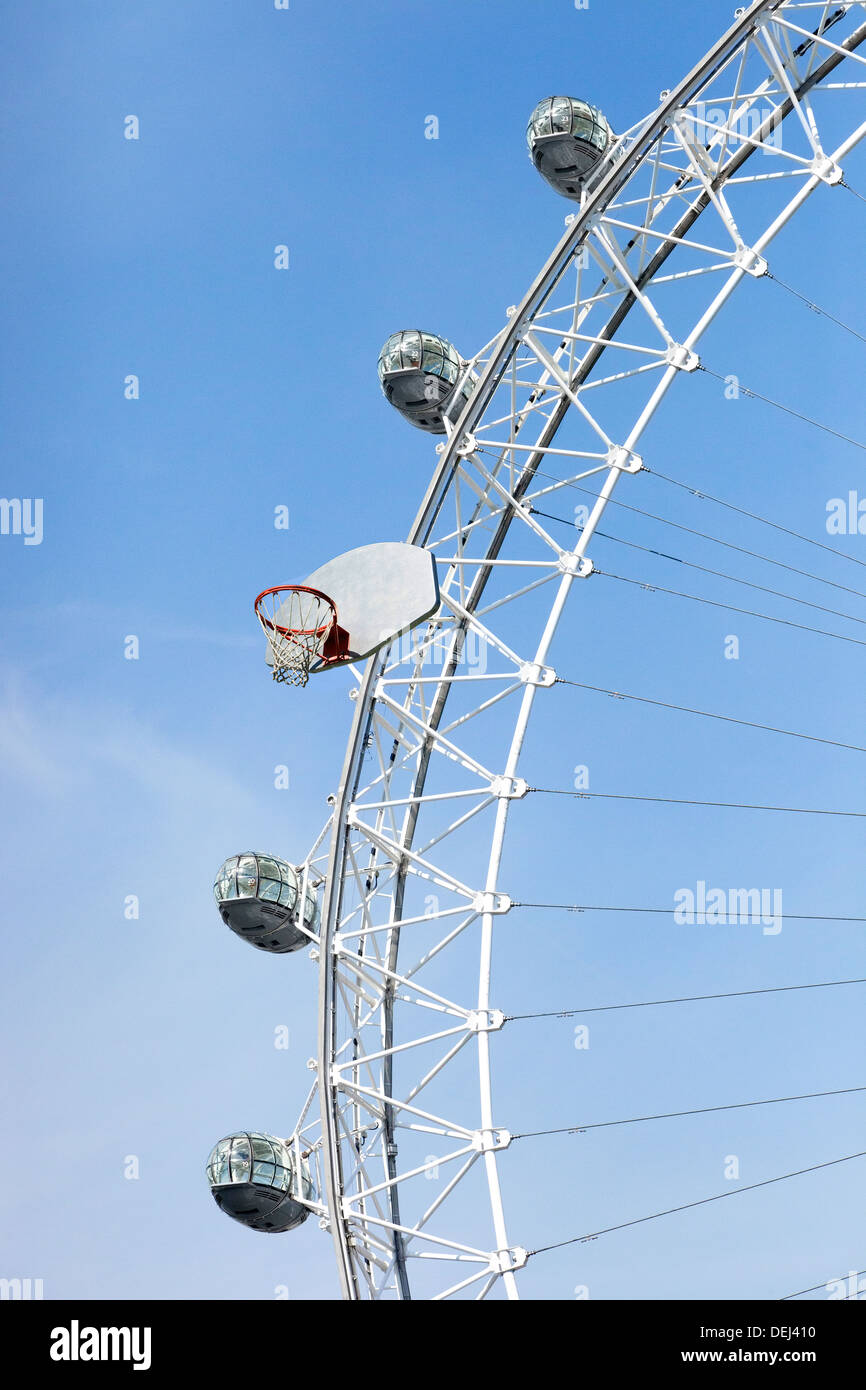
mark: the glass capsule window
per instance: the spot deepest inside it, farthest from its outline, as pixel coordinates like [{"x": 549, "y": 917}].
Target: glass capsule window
[
  {"x": 405, "y": 351},
  {"x": 311, "y": 910},
  {"x": 248, "y": 877},
  {"x": 390, "y": 359},
  {"x": 469, "y": 384},
  {"x": 560, "y": 116},
  {"x": 569, "y": 116},
  {"x": 239, "y": 1162},
  {"x": 411, "y": 350},
  {"x": 226, "y": 884},
  {"x": 260, "y": 876},
  {"x": 257, "y": 1158},
  {"x": 218, "y": 1168}
]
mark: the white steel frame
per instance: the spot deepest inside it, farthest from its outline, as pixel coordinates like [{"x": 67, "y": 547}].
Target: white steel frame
[{"x": 626, "y": 253}]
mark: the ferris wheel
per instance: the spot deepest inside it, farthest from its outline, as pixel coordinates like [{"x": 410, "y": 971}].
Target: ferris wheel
[{"x": 405, "y": 891}]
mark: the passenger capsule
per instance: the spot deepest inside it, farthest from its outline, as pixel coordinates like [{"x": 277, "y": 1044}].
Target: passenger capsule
[
  {"x": 568, "y": 139},
  {"x": 259, "y": 897},
  {"x": 424, "y": 377},
  {"x": 258, "y": 1179}
]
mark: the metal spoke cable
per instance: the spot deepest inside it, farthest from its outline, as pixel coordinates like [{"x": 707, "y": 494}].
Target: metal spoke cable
[
  {"x": 815, "y": 1287},
  {"x": 666, "y": 912},
  {"x": 682, "y": 999},
  {"x": 704, "y": 569},
  {"x": 704, "y": 1201},
  {"x": 678, "y": 1114},
  {"x": 816, "y": 308},
  {"x": 707, "y": 714},
  {"x": 729, "y": 607},
  {"x": 705, "y": 536},
  {"x": 753, "y": 516},
  {"x": 689, "y": 801},
  {"x": 787, "y": 409}
]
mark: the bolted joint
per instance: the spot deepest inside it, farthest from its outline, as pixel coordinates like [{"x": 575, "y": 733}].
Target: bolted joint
[
  {"x": 491, "y": 902},
  {"x": 623, "y": 459},
  {"x": 682, "y": 357},
  {"x": 748, "y": 260},
  {"x": 314, "y": 954},
  {"x": 533, "y": 674},
  {"x": 826, "y": 170},
  {"x": 506, "y": 1261},
  {"x": 485, "y": 1020},
  {"x": 467, "y": 446},
  {"x": 579, "y": 565},
  {"x": 509, "y": 788},
  {"x": 485, "y": 1141}
]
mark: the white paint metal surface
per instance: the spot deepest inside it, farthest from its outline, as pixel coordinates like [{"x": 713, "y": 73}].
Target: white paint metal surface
[{"x": 379, "y": 591}]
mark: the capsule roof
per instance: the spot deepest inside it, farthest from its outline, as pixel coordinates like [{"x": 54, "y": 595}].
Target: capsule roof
[
  {"x": 569, "y": 116},
  {"x": 412, "y": 350}
]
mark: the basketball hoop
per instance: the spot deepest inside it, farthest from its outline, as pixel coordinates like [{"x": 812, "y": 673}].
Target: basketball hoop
[{"x": 300, "y": 625}]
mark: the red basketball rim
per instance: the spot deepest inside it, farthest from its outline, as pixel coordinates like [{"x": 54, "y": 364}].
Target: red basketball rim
[{"x": 289, "y": 632}]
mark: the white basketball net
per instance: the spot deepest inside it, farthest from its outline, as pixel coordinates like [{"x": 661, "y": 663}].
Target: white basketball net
[{"x": 296, "y": 624}]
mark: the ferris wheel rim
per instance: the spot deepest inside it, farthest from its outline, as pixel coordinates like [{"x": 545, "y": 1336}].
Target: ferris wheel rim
[{"x": 425, "y": 519}]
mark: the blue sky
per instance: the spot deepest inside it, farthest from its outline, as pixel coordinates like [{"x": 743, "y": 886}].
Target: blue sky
[{"x": 153, "y": 1037}]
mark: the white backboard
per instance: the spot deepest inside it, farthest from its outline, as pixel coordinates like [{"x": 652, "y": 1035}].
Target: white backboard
[{"x": 380, "y": 591}]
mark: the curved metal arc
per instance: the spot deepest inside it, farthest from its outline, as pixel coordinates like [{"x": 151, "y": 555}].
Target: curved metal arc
[
  {"x": 434, "y": 499},
  {"x": 617, "y": 176},
  {"x": 512, "y": 763}
]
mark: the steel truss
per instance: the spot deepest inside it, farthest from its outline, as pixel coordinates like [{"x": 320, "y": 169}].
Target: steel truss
[{"x": 564, "y": 395}]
